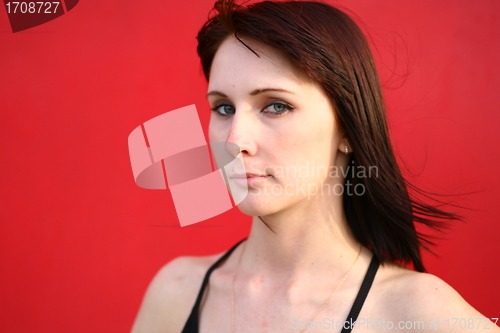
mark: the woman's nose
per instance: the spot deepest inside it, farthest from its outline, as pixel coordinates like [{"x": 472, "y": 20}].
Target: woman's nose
[{"x": 242, "y": 134}]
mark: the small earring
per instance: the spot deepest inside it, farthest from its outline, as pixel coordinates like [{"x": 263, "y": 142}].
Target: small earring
[{"x": 346, "y": 150}]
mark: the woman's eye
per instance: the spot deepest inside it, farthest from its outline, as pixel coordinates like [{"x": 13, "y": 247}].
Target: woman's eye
[
  {"x": 224, "y": 109},
  {"x": 277, "y": 108}
]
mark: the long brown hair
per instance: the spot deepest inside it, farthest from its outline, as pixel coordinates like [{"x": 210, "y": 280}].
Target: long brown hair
[{"x": 327, "y": 45}]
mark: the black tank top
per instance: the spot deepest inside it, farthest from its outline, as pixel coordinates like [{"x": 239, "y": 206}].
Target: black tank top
[{"x": 192, "y": 322}]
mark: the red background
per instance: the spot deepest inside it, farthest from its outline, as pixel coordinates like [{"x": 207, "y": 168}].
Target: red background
[{"x": 79, "y": 241}]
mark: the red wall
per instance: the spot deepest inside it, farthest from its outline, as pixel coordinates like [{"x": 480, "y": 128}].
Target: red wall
[{"x": 79, "y": 241}]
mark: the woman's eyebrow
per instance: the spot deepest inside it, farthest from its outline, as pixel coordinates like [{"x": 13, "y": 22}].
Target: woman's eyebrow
[
  {"x": 216, "y": 93},
  {"x": 253, "y": 93},
  {"x": 258, "y": 91}
]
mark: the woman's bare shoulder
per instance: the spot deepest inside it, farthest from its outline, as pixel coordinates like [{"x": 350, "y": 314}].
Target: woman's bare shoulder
[
  {"x": 413, "y": 296},
  {"x": 172, "y": 293}
]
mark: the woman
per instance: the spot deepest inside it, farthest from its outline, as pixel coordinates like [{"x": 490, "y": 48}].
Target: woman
[{"x": 294, "y": 86}]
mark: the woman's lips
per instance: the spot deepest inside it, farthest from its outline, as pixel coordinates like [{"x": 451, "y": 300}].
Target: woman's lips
[{"x": 250, "y": 179}]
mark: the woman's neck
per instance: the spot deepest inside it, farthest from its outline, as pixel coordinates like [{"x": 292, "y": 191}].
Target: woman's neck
[{"x": 298, "y": 241}]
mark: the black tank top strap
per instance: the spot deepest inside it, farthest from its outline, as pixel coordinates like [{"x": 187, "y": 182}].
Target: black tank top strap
[
  {"x": 361, "y": 297},
  {"x": 192, "y": 322}
]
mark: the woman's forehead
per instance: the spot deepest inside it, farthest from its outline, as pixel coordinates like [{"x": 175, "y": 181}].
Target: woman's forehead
[{"x": 234, "y": 62}]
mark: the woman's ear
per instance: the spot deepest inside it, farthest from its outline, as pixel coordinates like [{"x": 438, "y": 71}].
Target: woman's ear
[{"x": 344, "y": 146}]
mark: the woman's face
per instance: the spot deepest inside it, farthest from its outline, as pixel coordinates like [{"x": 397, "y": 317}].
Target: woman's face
[{"x": 283, "y": 123}]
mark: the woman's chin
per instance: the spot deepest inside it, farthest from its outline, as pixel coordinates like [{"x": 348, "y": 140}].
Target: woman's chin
[{"x": 260, "y": 205}]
